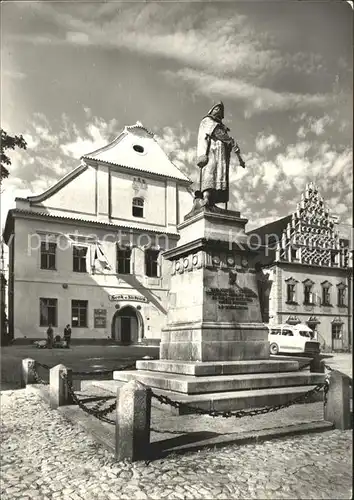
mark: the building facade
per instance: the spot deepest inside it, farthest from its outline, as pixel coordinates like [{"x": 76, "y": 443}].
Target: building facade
[
  {"x": 305, "y": 272},
  {"x": 87, "y": 252}
]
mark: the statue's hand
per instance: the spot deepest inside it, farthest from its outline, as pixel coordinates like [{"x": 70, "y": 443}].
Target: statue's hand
[{"x": 202, "y": 161}]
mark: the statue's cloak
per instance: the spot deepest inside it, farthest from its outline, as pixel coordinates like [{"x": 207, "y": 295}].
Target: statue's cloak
[{"x": 215, "y": 174}]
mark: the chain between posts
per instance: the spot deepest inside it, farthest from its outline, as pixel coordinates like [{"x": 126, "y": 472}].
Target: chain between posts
[
  {"x": 100, "y": 414},
  {"x": 243, "y": 413},
  {"x": 104, "y": 372},
  {"x": 36, "y": 375},
  {"x": 95, "y": 411}
]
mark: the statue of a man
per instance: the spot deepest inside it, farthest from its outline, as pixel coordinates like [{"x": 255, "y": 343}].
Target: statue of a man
[{"x": 213, "y": 157}]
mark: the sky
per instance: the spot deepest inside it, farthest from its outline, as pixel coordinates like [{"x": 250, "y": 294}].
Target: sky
[{"x": 73, "y": 74}]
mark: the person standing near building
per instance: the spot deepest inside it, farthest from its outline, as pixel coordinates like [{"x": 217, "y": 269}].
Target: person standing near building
[
  {"x": 50, "y": 335},
  {"x": 67, "y": 335}
]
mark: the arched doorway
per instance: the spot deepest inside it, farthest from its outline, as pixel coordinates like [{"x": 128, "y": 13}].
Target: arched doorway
[{"x": 127, "y": 326}]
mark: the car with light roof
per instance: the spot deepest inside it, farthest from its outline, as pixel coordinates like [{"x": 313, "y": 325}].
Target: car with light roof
[{"x": 289, "y": 339}]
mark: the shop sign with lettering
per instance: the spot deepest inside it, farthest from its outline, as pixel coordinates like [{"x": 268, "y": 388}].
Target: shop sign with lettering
[{"x": 131, "y": 298}]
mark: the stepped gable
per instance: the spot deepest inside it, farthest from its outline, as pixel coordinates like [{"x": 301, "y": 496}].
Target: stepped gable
[
  {"x": 136, "y": 148},
  {"x": 310, "y": 237}
]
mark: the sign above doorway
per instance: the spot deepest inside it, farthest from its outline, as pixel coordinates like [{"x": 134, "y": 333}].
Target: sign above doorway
[{"x": 131, "y": 298}]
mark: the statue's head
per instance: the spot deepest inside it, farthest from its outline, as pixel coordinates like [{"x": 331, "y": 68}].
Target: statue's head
[{"x": 217, "y": 110}]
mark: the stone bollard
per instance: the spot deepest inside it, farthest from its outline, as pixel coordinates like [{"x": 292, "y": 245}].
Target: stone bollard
[
  {"x": 58, "y": 389},
  {"x": 133, "y": 416},
  {"x": 317, "y": 365},
  {"x": 337, "y": 409},
  {"x": 27, "y": 375}
]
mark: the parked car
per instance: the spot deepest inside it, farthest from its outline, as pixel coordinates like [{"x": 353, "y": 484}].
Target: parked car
[{"x": 292, "y": 339}]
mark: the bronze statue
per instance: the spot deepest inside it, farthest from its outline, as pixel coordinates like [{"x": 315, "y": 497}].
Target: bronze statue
[{"x": 213, "y": 158}]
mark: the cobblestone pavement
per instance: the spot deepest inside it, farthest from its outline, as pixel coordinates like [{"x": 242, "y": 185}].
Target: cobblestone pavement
[{"x": 45, "y": 457}]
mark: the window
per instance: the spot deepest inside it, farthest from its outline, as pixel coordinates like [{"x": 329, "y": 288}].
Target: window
[
  {"x": 123, "y": 260},
  {"x": 151, "y": 262},
  {"x": 138, "y": 148},
  {"x": 79, "y": 259},
  {"x": 308, "y": 293},
  {"x": 337, "y": 330},
  {"x": 326, "y": 295},
  {"x": 293, "y": 254},
  {"x": 138, "y": 207},
  {"x": 79, "y": 313},
  {"x": 274, "y": 331},
  {"x": 341, "y": 296},
  {"x": 306, "y": 334},
  {"x": 291, "y": 288},
  {"x": 288, "y": 333},
  {"x": 333, "y": 258},
  {"x": 48, "y": 312},
  {"x": 48, "y": 251}
]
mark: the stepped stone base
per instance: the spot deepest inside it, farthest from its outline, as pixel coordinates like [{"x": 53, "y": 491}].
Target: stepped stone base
[
  {"x": 223, "y": 401},
  {"x": 224, "y": 385},
  {"x": 217, "y": 367},
  {"x": 188, "y": 384}
]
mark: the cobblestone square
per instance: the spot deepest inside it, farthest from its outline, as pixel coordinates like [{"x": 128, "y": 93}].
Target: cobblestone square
[{"x": 46, "y": 457}]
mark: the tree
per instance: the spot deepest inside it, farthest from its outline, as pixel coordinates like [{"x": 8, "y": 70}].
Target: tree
[{"x": 9, "y": 142}]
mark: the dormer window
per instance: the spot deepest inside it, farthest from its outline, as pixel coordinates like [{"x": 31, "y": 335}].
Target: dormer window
[{"x": 138, "y": 207}]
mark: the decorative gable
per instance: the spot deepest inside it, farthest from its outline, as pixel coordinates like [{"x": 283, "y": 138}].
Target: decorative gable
[
  {"x": 310, "y": 237},
  {"x": 135, "y": 148}
]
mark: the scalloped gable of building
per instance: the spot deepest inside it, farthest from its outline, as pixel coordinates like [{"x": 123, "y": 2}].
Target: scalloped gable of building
[
  {"x": 75, "y": 193},
  {"x": 137, "y": 149}
]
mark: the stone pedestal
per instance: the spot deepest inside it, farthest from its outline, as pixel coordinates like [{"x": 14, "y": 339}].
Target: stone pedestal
[
  {"x": 214, "y": 311},
  {"x": 214, "y": 351}
]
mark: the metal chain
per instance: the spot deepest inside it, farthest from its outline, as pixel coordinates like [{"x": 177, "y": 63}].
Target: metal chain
[
  {"x": 101, "y": 403},
  {"x": 98, "y": 372},
  {"x": 240, "y": 413},
  {"x": 325, "y": 390},
  {"x": 95, "y": 411},
  {"x": 37, "y": 377},
  {"x": 43, "y": 365},
  {"x": 105, "y": 372},
  {"x": 101, "y": 415}
]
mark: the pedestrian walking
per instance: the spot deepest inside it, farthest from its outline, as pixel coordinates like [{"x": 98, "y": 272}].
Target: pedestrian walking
[
  {"x": 67, "y": 335},
  {"x": 50, "y": 335}
]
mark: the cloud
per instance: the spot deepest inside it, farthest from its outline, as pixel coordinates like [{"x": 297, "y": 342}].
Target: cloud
[
  {"x": 51, "y": 153},
  {"x": 342, "y": 164},
  {"x": 14, "y": 75},
  {"x": 214, "y": 38},
  {"x": 315, "y": 126},
  {"x": 257, "y": 98},
  {"x": 180, "y": 146},
  {"x": 266, "y": 143},
  {"x": 78, "y": 38},
  {"x": 95, "y": 135}
]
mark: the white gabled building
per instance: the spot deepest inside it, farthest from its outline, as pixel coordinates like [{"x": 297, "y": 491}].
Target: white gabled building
[{"x": 88, "y": 250}]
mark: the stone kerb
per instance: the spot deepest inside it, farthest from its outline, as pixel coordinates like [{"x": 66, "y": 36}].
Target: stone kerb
[
  {"x": 337, "y": 409},
  {"x": 58, "y": 387},
  {"x": 27, "y": 372},
  {"x": 133, "y": 415}
]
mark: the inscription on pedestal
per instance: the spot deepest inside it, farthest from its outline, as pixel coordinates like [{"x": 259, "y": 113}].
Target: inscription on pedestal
[{"x": 230, "y": 298}]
